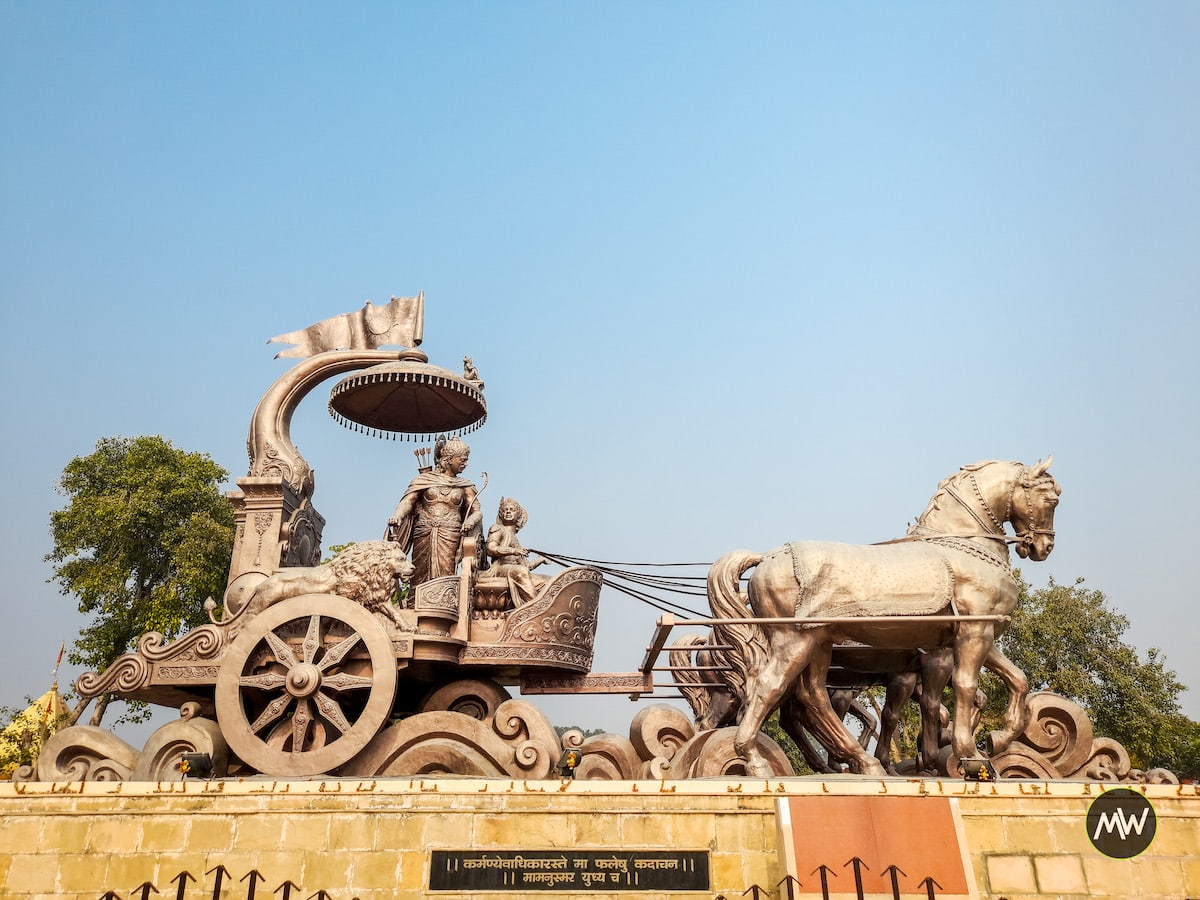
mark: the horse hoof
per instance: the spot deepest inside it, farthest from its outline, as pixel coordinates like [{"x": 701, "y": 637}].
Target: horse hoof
[
  {"x": 997, "y": 742},
  {"x": 758, "y": 769}
]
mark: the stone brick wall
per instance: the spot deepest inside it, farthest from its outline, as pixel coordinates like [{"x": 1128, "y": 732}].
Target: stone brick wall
[
  {"x": 1031, "y": 840},
  {"x": 371, "y": 839}
]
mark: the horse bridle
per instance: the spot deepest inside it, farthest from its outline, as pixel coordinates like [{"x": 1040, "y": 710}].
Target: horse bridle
[
  {"x": 1026, "y": 484},
  {"x": 995, "y": 529}
]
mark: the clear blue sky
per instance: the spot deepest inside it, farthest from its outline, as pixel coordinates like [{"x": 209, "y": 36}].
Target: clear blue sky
[{"x": 735, "y": 274}]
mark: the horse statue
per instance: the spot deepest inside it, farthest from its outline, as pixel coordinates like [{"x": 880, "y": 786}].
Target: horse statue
[{"x": 946, "y": 584}]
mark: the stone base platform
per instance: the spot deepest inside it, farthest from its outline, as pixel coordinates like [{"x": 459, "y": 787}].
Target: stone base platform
[{"x": 503, "y": 839}]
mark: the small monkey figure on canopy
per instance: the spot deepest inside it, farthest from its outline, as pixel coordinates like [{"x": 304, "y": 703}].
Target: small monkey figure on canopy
[{"x": 509, "y": 559}]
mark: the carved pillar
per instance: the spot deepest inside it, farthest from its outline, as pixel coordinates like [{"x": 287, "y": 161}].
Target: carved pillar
[{"x": 275, "y": 527}]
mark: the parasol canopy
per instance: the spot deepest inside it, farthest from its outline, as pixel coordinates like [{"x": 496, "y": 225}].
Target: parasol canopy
[{"x": 410, "y": 398}]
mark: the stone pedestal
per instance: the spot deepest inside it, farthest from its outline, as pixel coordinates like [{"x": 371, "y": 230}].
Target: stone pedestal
[{"x": 377, "y": 839}]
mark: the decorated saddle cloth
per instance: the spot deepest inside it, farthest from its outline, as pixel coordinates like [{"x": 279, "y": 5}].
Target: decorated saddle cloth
[{"x": 912, "y": 579}]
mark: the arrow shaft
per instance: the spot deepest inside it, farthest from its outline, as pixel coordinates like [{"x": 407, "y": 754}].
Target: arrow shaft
[
  {"x": 182, "y": 878},
  {"x": 254, "y": 877}
]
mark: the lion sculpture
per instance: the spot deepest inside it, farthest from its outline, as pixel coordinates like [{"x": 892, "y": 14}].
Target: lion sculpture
[{"x": 366, "y": 572}]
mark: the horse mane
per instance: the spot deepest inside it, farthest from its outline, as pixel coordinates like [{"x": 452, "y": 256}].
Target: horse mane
[{"x": 954, "y": 479}]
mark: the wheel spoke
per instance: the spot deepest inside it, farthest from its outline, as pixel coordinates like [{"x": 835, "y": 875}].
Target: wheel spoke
[
  {"x": 337, "y": 654},
  {"x": 282, "y": 651},
  {"x": 267, "y": 681},
  {"x": 332, "y": 712},
  {"x": 274, "y": 710},
  {"x": 301, "y": 720},
  {"x": 344, "y": 682},
  {"x": 312, "y": 640}
]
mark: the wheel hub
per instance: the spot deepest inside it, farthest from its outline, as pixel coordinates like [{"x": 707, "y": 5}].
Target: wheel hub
[{"x": 303, "y": 680}]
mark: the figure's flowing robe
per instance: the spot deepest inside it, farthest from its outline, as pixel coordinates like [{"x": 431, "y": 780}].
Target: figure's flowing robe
[{"x": 434, "y": 542}]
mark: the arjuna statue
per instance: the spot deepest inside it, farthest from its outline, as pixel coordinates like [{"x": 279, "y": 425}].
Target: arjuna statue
[{"x": 438, "y": 510}]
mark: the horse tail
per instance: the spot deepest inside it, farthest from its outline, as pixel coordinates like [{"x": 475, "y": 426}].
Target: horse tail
[
  {"x": 748, "y": 642},
  {"x": 686, "y": 677}
]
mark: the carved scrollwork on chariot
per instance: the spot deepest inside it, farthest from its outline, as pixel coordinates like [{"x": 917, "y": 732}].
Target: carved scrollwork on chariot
[
  {"x": 438, "y": 594},
  {"x": 205, "y": 642},
  {"x": 301, "y": 537},
  {"x": 196, "y": 655},
  {"x": 556, "y": 630}
]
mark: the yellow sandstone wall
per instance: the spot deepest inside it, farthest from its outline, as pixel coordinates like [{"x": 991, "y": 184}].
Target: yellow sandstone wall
[
  {"x": 371, "y": 839},
  {"x": 1030, "y": 840}
]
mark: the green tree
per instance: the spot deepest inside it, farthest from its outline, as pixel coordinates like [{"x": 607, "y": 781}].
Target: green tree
[
  {"x": 560, "y": 730},
  {"x": 144, "y": 538},
  {"x": 772, "y": 729},
  {"x": 1068, "y": 640},
  {"x": 1189, "y": 759}
]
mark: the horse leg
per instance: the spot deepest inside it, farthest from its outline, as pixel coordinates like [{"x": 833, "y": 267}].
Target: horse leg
[
  {"x": 844, "y": 702},
  {"x": 840, "y": 701},
  {"x": 936, "y": 668},
  {"x": 859, "y": 712},
  {"x": 827, "y": 726},
  {"x": 900, "y": 688},
  {"x": 971, "y": 646},
  {"x": 794, "y": 721},
  {"x": 1016, "y": 714},
  {"x": 765, "y": 689}
]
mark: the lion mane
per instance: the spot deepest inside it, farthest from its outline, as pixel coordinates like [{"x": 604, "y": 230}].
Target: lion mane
[{"x": 365, "y": 572}]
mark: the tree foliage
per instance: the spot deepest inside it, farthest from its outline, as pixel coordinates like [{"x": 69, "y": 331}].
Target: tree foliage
[
  {"x": 772, "y": 729},
  {"x": 1068, "y": 640},
  {"x": 560, "y": 730},
  {"x": 144, "y": 539}
]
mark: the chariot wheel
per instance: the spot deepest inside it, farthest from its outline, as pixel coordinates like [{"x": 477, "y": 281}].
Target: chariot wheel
[{"x": 306, "y": 685}]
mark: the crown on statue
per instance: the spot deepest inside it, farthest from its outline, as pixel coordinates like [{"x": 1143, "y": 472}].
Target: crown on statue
[{"x": 453, "y": 446}]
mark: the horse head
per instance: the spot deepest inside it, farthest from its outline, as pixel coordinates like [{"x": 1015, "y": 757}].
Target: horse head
[
  {"x": 1034, "y": 499},
  {"x": 980, "y": 498}
]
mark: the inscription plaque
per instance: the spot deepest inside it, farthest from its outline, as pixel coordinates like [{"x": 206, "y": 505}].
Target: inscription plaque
[{"x": 569, "y": 870}]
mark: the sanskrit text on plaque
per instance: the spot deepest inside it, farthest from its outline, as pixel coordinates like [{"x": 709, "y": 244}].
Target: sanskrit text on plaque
[{"x": 568, "y": 870}]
